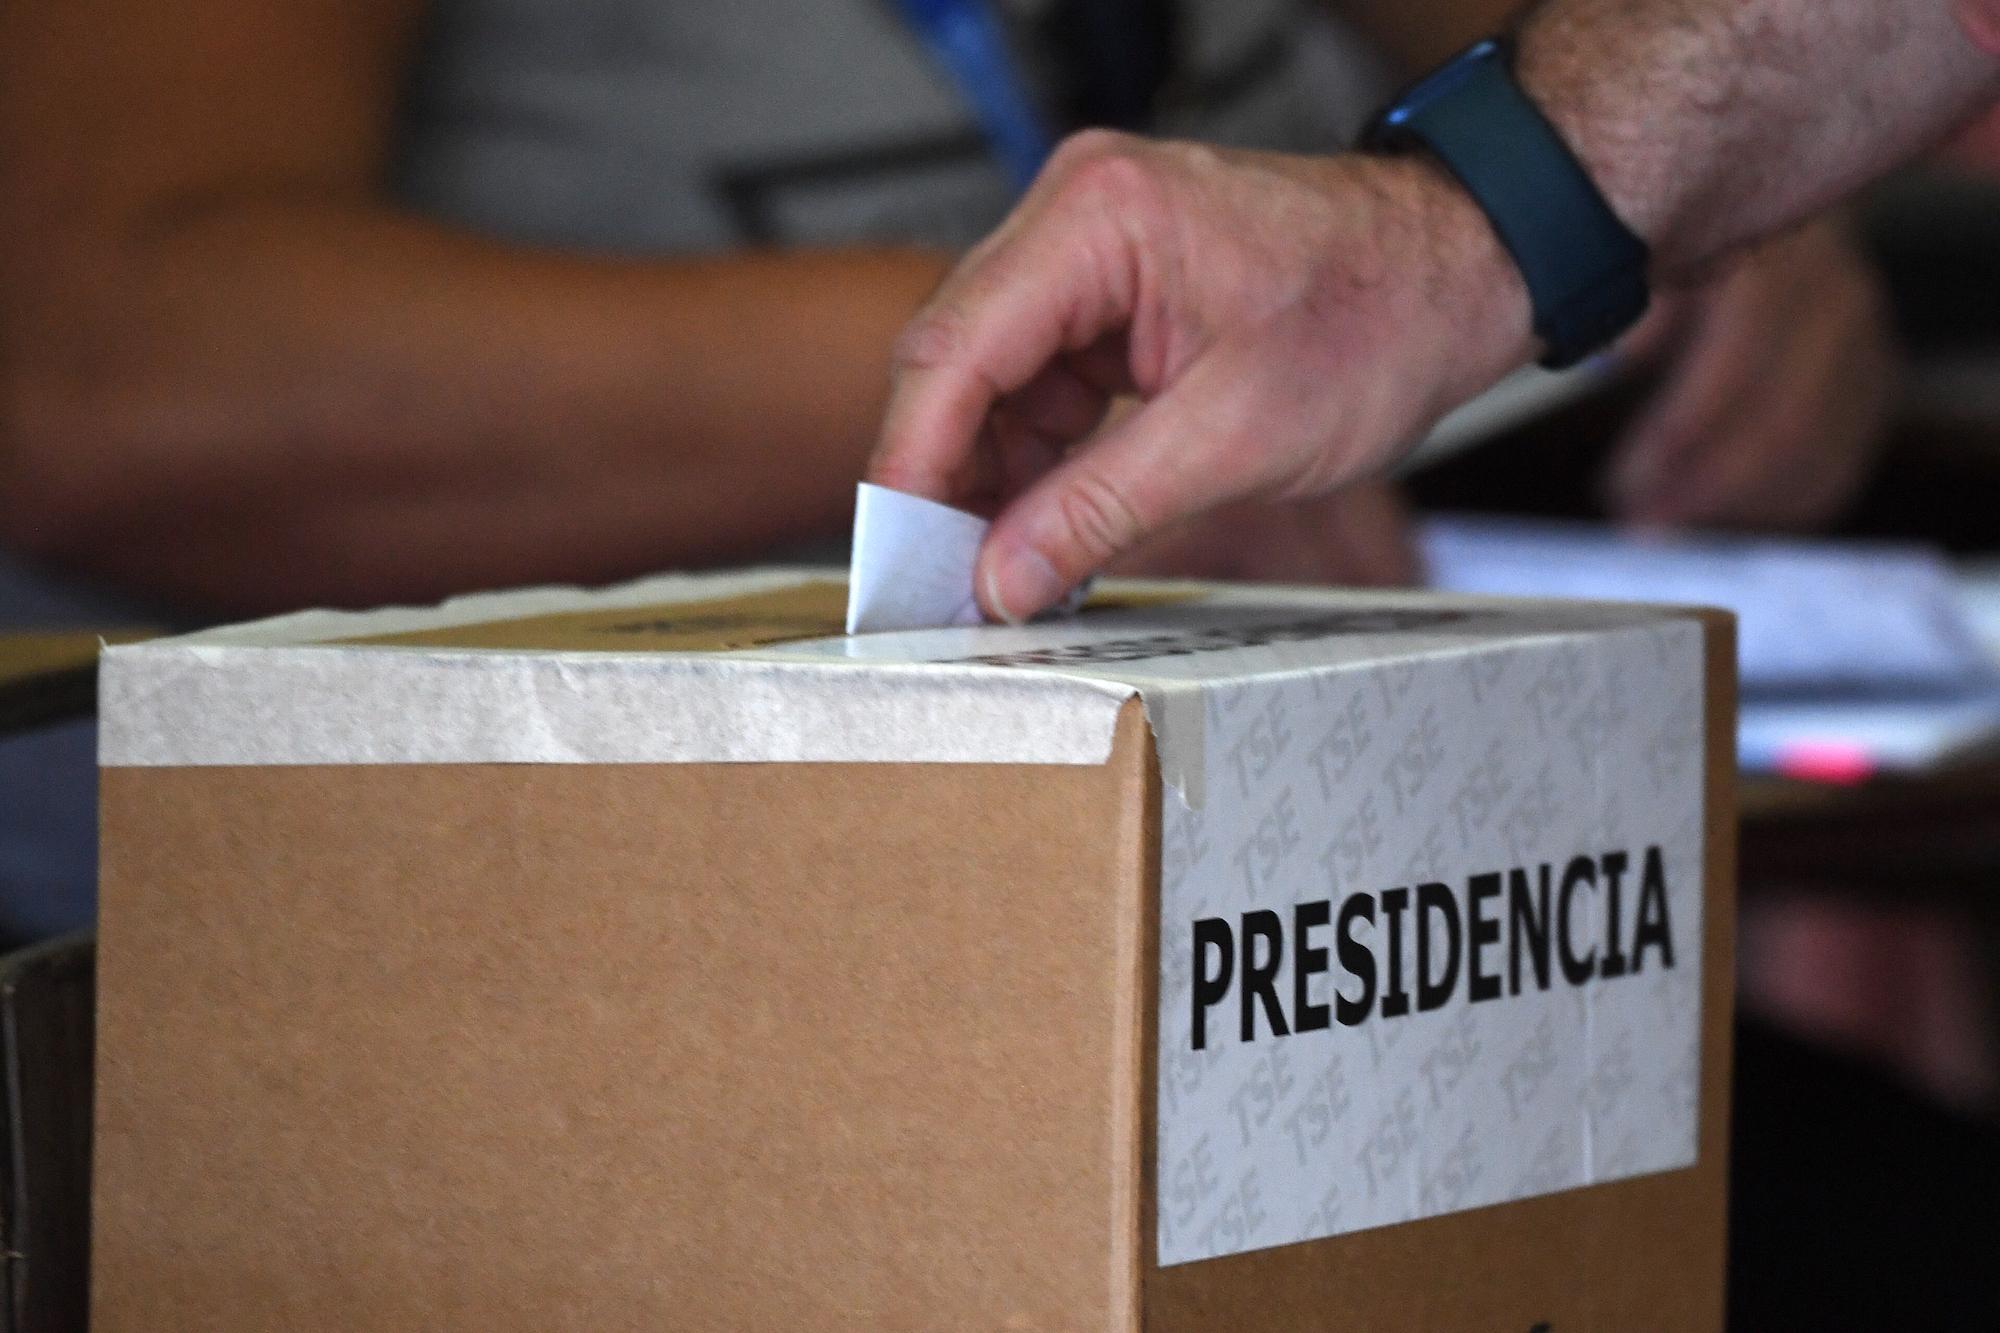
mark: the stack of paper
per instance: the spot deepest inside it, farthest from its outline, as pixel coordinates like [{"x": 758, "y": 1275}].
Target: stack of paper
[{"x": 1856, "y": 658}]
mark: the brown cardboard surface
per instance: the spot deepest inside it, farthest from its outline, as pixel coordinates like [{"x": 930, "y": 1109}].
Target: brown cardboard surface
[
  {"x": 621, "y": 1047},
  {"x": 1636, "y": 1254},
  {"x": 734, "y": 1046}
]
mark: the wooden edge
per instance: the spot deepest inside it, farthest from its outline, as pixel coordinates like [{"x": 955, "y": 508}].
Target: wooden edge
[
  {"x": 1135, "y": 1131},
  {"x": 1719, "y": 912}
]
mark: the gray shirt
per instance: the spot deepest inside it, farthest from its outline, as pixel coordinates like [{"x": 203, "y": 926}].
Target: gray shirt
[
  {"x": 666, "y": 127},
  {"x": 655, "y": 127}
]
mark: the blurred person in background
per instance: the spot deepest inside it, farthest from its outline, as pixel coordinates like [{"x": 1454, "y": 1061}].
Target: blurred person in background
[{"x": 352, "y": 301}]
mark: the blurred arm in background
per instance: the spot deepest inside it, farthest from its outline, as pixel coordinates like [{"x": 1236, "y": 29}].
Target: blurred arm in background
[
  {"x": 1776, "y": 377},
  {"x": 233, "y": 372}
]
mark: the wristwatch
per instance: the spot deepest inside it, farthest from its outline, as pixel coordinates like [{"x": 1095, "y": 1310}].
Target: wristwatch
[{"x": 1585, "y": 270}]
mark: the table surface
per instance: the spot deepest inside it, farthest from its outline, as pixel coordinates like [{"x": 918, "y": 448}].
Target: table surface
[{"x": 1929, "y": 838}]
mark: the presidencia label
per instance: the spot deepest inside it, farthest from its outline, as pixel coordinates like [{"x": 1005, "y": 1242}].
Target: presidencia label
[{"x": 1432, "y": 939}]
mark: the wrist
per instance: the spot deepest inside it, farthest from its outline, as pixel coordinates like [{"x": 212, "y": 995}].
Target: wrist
[
  {"x": 1584, "y": 270},
  {"x": 1473, "y": 295},
  {"x": 1621, "y": 146}
]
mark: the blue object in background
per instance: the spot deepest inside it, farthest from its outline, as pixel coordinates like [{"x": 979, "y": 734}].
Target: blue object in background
[
  {"x": 48, "y": 831},
  {"x": 966, "y": 38}
]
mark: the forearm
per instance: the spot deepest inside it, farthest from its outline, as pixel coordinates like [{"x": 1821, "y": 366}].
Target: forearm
[
  {"x": 1418, "y": 36},
  {"x": 345, "y": 404},
  {"x": 1710, "y": 123}
]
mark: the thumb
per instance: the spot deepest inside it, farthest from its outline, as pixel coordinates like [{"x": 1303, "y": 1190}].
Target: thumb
[{"x": 1136, "y": 477}]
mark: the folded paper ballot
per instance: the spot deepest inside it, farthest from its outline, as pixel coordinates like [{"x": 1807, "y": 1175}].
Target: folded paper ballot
[{"x": 912, "y": 563}]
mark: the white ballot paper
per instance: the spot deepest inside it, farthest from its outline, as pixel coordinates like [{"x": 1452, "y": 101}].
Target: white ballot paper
[
  {"x": 911, "y": 567},
  {"x": 1813, "y": 615}
]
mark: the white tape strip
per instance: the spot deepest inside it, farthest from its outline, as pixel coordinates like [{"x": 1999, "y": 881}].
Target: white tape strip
[{"x": 204, "y": 705}]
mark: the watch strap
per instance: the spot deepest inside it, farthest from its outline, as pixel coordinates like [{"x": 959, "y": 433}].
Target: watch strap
[{"x": 1585, "y": 271}]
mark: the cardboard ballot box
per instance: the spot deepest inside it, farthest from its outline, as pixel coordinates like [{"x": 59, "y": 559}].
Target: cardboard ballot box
[{"x": 658, "y": 958}]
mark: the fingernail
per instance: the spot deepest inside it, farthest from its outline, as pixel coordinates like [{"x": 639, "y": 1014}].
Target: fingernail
[{"x": 1021, "y": 583}]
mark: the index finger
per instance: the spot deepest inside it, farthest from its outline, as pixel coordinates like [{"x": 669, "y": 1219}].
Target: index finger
[{"x": 1042, "y": 289}]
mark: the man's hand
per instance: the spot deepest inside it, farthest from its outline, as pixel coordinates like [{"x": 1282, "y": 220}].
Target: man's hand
[
  {"x": 1290, "y": 322},
  {"x": 1358, "y": 536},
  {"x": 1287, "y": 323},
  {"x": 1779, "y": 380}
]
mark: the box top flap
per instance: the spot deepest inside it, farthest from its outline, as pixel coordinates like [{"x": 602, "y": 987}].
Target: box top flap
[{"x": 752, "y": 667}]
